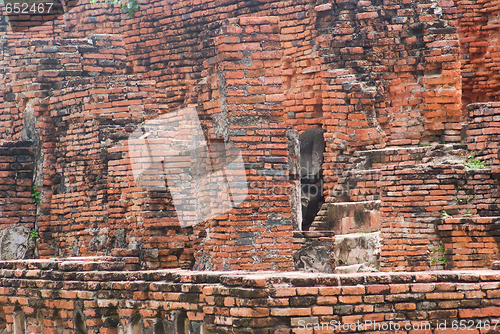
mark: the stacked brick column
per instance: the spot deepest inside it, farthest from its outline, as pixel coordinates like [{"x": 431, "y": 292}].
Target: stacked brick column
[
  {"x": 302, "y": 79},
  {"x": 243, "y": 97}
]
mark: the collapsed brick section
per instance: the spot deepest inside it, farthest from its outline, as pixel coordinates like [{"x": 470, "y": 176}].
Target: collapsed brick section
[
  {"x": 382, "y": 64},
  {"x": 16, "y": 180},
  {"x": 96, "y": 295}
]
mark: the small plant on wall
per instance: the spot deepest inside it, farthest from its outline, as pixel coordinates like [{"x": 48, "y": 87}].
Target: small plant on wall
[
  {"x": 441, "y": 259},
  {"x": 36, "y": 195},
  {"x": 34, "y": 233},
  {"x": 475, "y": 163},
  {"x": 128, "y": 6}
]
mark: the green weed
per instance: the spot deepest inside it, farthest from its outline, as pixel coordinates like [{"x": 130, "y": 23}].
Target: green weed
[
  {"x": 128, "y": 6},
  {"x": 472, "y": 163},
  {"x": 34, "y": 234},
  {"x": 36, "y": 195}
]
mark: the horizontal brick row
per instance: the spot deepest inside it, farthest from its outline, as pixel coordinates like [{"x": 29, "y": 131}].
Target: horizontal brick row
[{"x": 269, "y": 302}]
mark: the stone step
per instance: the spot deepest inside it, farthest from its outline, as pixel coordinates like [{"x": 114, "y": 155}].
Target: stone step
[
  {"x": 355, "y": 268},
  {"x": 356, "y": 250},
  {"x": 376, "y": 158},
  {"x": 348, "y": 217}
]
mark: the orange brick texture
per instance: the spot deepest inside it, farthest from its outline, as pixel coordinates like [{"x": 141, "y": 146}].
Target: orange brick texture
[
  {"x": 473, "y": 242},
  {"x": 373, "y": 74},
  {"x": 88, "y": 94},
  {"x": 244, "y": 89},
  {"x": 334, "y": 62},
  {"x": 382, "y": 66},
  {"x": 470, "y": 242},
  {"x": 483, "y": 133},
  {"x": 356, "y": 184},
  {"x": 51, "y": 293},
  {"x": 479, "y": 50},
  {"x": 414, "y": 200},
  {"x": 426, "y": 206}
]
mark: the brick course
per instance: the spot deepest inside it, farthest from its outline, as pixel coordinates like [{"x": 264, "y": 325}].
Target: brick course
[
  {"x": 102, "y": 290},
  {"x": 483, "y": 133}
]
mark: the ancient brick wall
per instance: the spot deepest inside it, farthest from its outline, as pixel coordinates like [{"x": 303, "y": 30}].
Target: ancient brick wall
[
  {"x": 83, "y": 296},
  {"x": 382, "y": 64},
  {"x": 302, "y": 78},
  {"x": 470, "y": 242},
  {"x": 479, "y": 27},
  {"x": 372, "y": 74},
  {"x": 413, "y": 198},
  {"x": 432, "y": 211},
  {"x": 328, "y": 51},
  {"x": 483, "y": 133},
  {"x": 97, "y": 97},
  {"x": 244, "y": 100},
  {"x": 77, "y": 107},
  {"x": 16, "y": 168}
]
